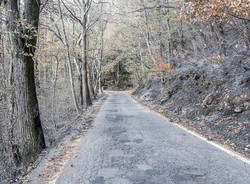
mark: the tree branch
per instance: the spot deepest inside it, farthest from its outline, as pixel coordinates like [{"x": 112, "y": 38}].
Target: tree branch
[
  {"x": 154, "y": 7},
  {"x": 241, "y": 18},
  {"x": 71, "y": 13}
]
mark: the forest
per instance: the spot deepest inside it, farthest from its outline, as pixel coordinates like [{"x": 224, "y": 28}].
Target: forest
[{"x": 188, "y": 59}]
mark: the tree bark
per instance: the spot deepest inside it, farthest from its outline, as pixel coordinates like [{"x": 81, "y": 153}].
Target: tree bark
[
  {"x": 81, "y": 85},
  {"x": 90, "y": 83},
  {"x": 54, "y": 92},
  {"x": 78, "y": 64},
  {"x": 87, "y": 98},
  {"x": 99, "y": 73},
  {"x": 27, "y": 130}
]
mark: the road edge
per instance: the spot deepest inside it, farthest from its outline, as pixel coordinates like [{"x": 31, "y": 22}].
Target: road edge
[{"x": 218, "y": 145}]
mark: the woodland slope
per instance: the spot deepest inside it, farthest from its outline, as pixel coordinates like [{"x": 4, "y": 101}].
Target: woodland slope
[{"x": 210, "y": 98}]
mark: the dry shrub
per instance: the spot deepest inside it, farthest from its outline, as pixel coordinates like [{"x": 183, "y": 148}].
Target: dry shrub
[
  {"x": 163, "y": 68},
  {"x": 160, "y": 66}
]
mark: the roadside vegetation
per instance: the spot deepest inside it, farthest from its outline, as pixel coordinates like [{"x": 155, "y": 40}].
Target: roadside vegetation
[{"x": 189, "y": 60}]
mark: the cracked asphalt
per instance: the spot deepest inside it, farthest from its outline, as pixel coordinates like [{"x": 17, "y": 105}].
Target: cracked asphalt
[{"x": 129, "y": 144}]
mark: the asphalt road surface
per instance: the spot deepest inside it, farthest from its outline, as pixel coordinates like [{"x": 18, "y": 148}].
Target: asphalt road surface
[{"x": 129, "y": 144}]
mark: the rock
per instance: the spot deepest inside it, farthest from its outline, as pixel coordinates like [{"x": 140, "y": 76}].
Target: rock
[
  {"x": 247, "y": 104},
  {"x": 146, "y": 97},
  {"x": 226, "y": 106},
  {"x": 238, "y": 110},
  {"x": 208, "y": 100}
]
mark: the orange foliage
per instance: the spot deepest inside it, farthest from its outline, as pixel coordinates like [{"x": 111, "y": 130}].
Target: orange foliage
[
  {"x": 161, "y": 67},
  {"x": 204, "y": 10}
]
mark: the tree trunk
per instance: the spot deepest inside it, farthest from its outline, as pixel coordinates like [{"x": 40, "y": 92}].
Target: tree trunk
[
  {"x": 87, "y": 98},
  {"x": 69, "y": 62},
  {"x": 181, "y": 35},
  {"x": 118, "y": 75},
  {"x": 168, "y": 26},
  {"x": 78, "y": 64},
  {"x": 90, "y": 83},
  {"x": 99, "y": 73},
  {"x": 100, "y": 83},
  {"x": 54, "y": 93},
  {"x": 147, "y": 33},
  {"x": 27, "y": 130},
  {"x": 81, "y": 86}
]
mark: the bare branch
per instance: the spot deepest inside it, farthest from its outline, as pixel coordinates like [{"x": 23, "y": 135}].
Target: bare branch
[
  {"x": 154, "y": 7},
  {"x": 71, "y": 13}
]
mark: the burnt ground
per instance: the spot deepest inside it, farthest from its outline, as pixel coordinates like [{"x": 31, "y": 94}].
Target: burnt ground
[{"x": 210, "y": 98}]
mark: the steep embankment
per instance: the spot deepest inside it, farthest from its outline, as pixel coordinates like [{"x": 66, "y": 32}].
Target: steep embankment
[{"x": 210, "y": 98}]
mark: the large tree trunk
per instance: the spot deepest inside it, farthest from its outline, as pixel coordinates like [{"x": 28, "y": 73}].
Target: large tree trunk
[
  {"x": 28, "y": 138},
  {"x": 86, "y": 94}
]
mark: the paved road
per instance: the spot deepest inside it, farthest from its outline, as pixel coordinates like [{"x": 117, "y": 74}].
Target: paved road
[{"x": 131, "y": 145}]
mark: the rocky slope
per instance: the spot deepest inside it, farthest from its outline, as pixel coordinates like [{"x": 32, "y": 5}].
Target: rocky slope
[{"x": 212, "y": 98}]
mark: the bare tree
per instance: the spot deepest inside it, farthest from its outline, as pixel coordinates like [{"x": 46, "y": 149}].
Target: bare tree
[
  {"x": 86, "y": 5},
  {"x": 66, "y": 42},
  {"x": 102, "y": 28}
]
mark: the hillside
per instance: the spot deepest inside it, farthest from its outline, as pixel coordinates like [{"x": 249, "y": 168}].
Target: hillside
[{"x": 211, "y": 98}]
